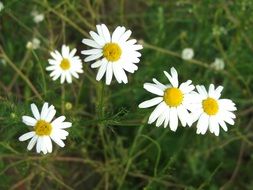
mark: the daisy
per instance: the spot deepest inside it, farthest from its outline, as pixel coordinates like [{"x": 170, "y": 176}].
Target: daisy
[
  {"x": 114, "y": 54},
  {"x": 45, "y": 129},
  {"x": 211, "y": 111},
  {"x": 187, "y": 54},
  {"x": 65, "y": 65},
  {"x": 173, "y": 101}
]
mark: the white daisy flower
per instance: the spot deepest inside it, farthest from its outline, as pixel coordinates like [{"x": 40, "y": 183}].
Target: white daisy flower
[
  {"x": 187, "y": 54},
  {"x": 218, "y": 64},
  {"x": 173, "y": 101},
  {"x": 211, "y": 111},
  {"x": 114, "y": 54},
  {"x": 44, "y": 129},
  {"x": 65, "y": 65}
]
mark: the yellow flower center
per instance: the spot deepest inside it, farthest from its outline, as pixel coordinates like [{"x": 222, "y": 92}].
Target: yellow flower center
[
  {"x": 43, "y": 128},
  {"x": 173, "y": 97},
  {"x": 65, "y": 64},
  {"x": 210, "y": 106},
  {"x": 112, "y": 52}
]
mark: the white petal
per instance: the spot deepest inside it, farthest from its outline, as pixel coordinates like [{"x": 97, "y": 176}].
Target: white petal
[
  {"x": 186, "y": 87},
  {"x": 57, "y": 140},
  {"x": 126, "y": 35},
  {"x": 98, "y": 39},
  {"x": 202, "y": 124},
  {"x": 51, "y": 68},
  {"x": 160, "y": 85},
  {"x": 48, "y": 144},
  {"x": 62, "y": 132},
  {"x": 228, "y": 120},
  {"x": 217, "y": 92},
  {"x": 119, "y": 73},
  {"x": 227, "y": 104},
  {"x": 130, "y": 67},
  {"x": 211, "y": 90},
  {"x": 61, "y": 136},
  {"x": 151, "y": 102},
  {"x": 29, "y": 120},
  {"x": 106, "y": 33},
  {"x": 56, "y": 55},
  {"x": 214, "y": 126},
  {"x": 65, "y": 51},
  {"x": 167, "y": 118},
  {"x": 32, "y": 142},
  {"x": 157, "y": 112},
  {"x": 118, "y": 32},
  {"x": 96, "y": 64},
  {"x": 26, "y": 136},
  {"x": 109, "y": 73},
  {"x": 116, "y": 72},
  {"x": 101, "y": 71},
  {"x": 73, "y": 52},
  {"x": 35, "y": 111},
  {"x": 68, "y": 77},
  {"x": 43, "y": 145},
  {"x": 222, "y": 123},
  {"x": 65, "y": 125},
  {"x": 91, "y": 43},
  {"x": 39, "y": 145},
  {"x": 153, "y": 89},
  {"x": 63, "y": 76},
  {"x": 182, "y": 115},
  {"x": 201, "y": 89},
  {"x": 100, "y": 31},
  {"x": 160, "y": 119},
  {"x": 173, "y": 81},
  {"x": 173, "y": 119},
  {"x": 50, "y": 115},
  {"x": 91, "y": 51},
  {"x": 58, "y": 121},
  {"x": 93, "y": 57},
  {"x": 44, "y": 111}
]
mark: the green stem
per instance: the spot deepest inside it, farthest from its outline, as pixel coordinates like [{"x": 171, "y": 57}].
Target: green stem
[
  {"x": 42, "y": 72},
  {"x": 62, "y": 98}
]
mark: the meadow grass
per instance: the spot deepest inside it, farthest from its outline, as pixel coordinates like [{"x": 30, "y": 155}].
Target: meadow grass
[{"x": 110, "y": 145}]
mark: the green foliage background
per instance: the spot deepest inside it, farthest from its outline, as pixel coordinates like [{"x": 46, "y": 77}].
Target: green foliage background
[{"x": 110, "y": 145}]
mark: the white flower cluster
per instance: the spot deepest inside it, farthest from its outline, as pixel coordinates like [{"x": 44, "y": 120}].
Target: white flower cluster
[
  {"x": 114, "y": 55},
  {"x": 179, "y": 102}
]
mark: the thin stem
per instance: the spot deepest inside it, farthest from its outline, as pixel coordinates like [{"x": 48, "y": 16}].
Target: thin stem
[
  {"x": 42, "y": 72},
  {"x": 28, "y": 82},
  {"x": 62, "y": 98}
]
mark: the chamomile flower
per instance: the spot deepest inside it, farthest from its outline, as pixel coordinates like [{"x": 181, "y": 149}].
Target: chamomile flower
[
  {"x": 65, "y": 64},
  {"x": 211, "y": 111},
  {"x": 173, "y": 101},
  {"x": 114, "y": 54},
  {"x": 44, "y": 129}
]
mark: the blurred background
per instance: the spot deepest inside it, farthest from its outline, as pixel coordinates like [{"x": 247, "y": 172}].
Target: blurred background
[{"x": 110, "y": 145}]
